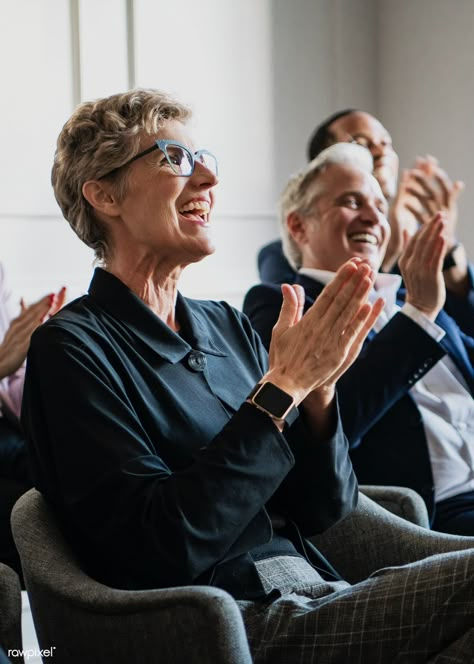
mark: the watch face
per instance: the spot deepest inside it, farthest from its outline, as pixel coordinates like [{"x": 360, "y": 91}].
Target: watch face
[{"x": 274, "y": 400}]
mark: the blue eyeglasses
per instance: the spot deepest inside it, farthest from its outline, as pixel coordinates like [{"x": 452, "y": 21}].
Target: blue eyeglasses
[{"x": 181, "y": 160}]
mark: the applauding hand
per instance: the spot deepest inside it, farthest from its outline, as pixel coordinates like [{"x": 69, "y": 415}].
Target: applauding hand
[
  {"x": 421, "y": 267},
  {"x": 15, "y": 344},
  {"x": 310, "y": 352}
]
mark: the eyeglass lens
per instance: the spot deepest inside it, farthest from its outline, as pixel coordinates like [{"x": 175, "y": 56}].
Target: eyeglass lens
[
  {"x": 207, "y": 159},
  {"x": 181, "y": 160}
]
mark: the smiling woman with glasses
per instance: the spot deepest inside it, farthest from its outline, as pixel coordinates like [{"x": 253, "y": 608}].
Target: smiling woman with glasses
[{"x": 174, "y": 450}]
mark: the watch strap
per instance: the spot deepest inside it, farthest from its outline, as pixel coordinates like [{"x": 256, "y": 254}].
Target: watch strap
[{"x": 291, "y": 413}]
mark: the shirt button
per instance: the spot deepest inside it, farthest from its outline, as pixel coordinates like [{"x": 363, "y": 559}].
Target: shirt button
[{"x": 197, "y": 360}]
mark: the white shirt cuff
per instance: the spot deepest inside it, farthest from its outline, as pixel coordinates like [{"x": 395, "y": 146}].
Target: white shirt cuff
[{"x": 435, "y": 331}]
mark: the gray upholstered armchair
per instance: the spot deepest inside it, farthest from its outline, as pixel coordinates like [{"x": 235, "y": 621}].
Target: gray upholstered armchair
[
  {"x": 86, "y": 621},
  {"x": 10, "y": 612}
]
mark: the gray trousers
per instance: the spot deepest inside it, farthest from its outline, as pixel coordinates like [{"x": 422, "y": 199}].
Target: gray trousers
[{"x": 420, "y": 612}]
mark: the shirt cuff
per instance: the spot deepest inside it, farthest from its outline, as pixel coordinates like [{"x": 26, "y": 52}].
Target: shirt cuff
[{"x": 418, "y": 317}]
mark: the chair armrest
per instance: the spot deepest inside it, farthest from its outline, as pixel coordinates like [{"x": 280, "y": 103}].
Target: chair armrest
[
  {"x": 10, "y": 611},
  {"x": 87, "y": 621},
  {"x": 371, "y": 538},
  {"x": 399, "y": 500},
  {"x": 189, "y": 624}
]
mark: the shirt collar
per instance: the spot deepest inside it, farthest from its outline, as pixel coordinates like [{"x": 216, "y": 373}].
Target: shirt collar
[{"x": 125, "y": 306}]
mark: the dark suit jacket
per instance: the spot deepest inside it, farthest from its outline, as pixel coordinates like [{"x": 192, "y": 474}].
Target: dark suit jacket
[
  {"x": 380, "y": 418},
  {"x": 159, "y": 472}
]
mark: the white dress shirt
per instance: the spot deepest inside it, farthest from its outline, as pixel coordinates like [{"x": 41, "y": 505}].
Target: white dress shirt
[{"x": 442, "y": 397}]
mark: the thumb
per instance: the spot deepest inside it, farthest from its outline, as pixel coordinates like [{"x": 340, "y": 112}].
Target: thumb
[{"x": 292, "y": 306}]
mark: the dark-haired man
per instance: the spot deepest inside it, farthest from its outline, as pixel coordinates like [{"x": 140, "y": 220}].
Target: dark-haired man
[{"x": 421, "y": 192}]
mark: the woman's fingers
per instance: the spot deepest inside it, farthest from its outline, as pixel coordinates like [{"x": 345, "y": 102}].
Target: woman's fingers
[
  {"x": 358, "y": 331},
  {"x": 17, "y": 338},
  {"x": 30, "y": 317},
  {"x": 363, "y": 323},
  {"x": 311, "y": 351},
  {"x": 58, "y": 301},
  {"x": 342, "y": 298},
  {"x": 339, "y": 292}
]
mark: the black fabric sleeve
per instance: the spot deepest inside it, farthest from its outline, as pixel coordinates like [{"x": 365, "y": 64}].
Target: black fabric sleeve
[{"x": 321, "y": 488}]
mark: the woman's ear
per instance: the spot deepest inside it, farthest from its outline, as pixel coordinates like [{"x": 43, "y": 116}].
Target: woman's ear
[
  {"x": 101, "y": 197},
  {"x": 296, "y": 224}
]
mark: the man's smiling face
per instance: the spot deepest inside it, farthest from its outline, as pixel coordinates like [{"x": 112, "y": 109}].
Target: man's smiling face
[{"x": 348, "y": 219}]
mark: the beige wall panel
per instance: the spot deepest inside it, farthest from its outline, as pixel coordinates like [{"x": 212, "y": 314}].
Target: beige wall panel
[
  {"x": 36, "y": 99},
  {"x": 103, "y": 47},
  {"x": 426, "y": 87}
]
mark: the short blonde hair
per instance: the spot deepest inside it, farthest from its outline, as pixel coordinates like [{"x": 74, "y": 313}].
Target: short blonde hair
[
  {"x": 98, "y": 138},
  {"x": 300, "y": 196}
]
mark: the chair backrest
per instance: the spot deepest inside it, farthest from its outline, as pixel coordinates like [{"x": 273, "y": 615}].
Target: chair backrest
[
  {"x": 81, "y": 620},
  {"x": 10, "y": 613}
]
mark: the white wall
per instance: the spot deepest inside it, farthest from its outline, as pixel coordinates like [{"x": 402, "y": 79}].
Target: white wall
[
  {"x": 259, "y": 74},
  {"x": 425, "y": 87},
  {"x": 323, "y": 54},
  {"x": 39, "y": 251},
  {"x": 219, "y": 61}
]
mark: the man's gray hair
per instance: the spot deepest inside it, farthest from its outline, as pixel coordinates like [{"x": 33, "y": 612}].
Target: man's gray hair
[{"x": 299, "y": 195}]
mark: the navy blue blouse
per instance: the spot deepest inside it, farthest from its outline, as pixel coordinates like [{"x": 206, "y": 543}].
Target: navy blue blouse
[{"x": 141, "y": 441}]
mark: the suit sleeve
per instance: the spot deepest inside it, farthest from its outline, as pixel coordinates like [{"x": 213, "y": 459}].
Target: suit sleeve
[{"x": 321, "y": 488}]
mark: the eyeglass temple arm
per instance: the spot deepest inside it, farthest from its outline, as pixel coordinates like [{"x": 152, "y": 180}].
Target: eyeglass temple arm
[{"x": 155, "y": 146}]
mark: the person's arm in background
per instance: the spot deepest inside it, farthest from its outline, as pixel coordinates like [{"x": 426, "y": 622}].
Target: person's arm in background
[
  {"x": 430, "y": 190},
  {"x": 16, "y": 340},
  {"x": 423, "y": 191}
]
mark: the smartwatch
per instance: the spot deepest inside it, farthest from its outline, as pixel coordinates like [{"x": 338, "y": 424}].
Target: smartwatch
[{"x": 274, "y": 402}]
